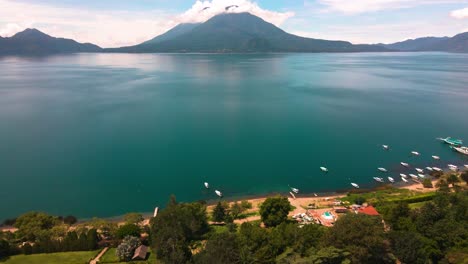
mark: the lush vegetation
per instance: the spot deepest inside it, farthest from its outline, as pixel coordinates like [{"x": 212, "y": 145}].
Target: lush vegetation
[{"x": 53, "y": 258}]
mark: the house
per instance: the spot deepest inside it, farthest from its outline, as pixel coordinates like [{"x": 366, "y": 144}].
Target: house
[
  {"x": 140, "y": 253},
  {"x": 340, "y": 209},
  {"x": 368, "y": 210}
]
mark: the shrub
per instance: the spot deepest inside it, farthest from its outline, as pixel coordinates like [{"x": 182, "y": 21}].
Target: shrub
[
  {"x": 427, "y": 183},
  {"x": 128, "y": 230},
  {"x": 274, "y": 211},
  {"x": 126, "y": 249}
]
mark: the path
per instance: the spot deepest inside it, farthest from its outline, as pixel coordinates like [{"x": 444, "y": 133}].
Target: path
[{"x": 98, "y": 257}]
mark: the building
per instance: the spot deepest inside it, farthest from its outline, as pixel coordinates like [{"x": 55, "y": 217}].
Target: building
[
  {"x": 140, "y": 253},
  {"x": 367, "y": 210}
]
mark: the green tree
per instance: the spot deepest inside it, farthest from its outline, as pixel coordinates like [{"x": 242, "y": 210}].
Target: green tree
[
  {"x": 411, "y": 247},
  {"x": 93, "y": 239},
  {"x": 126, "y": 249},
  {"x": 4, "y": 249},
  {"x": 246, "y": 204},
  {"x": 330, "y": 255},
  {"x": 464, "y": 176},
  {"x": 133, "y": 218},
  {"x": 360, "y": 234},
  {"x": 453, "y": 179},
  {"x": 275, "y": 210},
  {"x": 443, "y": 186},
  {"x": 359, "y": 200},
  {"x": 221, "y": 248},
  {"x": 219, "y": 213},
  {"x": 427, "y": 183},
  {"x": 34, "y": 225},
  {"x": 128, "y": 230}
]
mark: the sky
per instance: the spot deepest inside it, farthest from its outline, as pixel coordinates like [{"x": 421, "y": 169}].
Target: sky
[{"x": 116, "y": 23}]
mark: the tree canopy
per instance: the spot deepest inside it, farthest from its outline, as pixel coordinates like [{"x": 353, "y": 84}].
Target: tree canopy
[{"x": 275, "y": 210}]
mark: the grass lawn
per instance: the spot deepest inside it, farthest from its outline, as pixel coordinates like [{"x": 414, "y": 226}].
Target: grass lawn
[
  {"x": 81, "y": 257},
  {"x": 390, "y": 195},
  {"x": 110, "y": 257}
]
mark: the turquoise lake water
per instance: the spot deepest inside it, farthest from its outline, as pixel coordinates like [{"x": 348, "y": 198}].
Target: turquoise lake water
[{"x": 105, "y": 134}]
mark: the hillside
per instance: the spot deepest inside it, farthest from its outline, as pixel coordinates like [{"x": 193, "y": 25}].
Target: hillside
[{"x": 458, "y": 43}]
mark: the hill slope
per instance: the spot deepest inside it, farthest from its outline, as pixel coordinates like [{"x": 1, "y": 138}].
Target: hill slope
[
  {"x": 243, "y": 32},
  {"x": 458, "y": 43},
  {"x": 33, "y": 41}
]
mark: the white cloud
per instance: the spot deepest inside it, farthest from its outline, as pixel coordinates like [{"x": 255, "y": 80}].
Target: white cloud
[
  {"x": 204, "y": 10},
  {"x": 108, "y": 28},
  {"x": 460, "y": 13},
  {"x": 363, "y": 6}
]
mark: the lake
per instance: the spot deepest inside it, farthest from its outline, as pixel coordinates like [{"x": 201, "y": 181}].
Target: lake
[{"x": 105, "y": 134}]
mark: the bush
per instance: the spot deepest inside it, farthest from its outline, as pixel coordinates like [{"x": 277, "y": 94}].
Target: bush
[
  {"x": 359, "y": 200},
  {"x": 275, "y": 210},
  {"x": 70, "y": 220},
  {"x": 126, "y": 249},
  {"x": 427, "y": 183},
  {"x": 128, "y": 230}
]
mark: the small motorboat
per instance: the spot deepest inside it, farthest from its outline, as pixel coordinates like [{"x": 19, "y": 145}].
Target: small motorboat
[
  {"x": 421, "y": 175},
  {"x": 220, "y": 194},
  {"x": 355, "y": 185},
  {"x": 377, "y": 179},
  {"x": 419, "y": 170},
  {"x": 404, "y": 164},
  {"x": 315, "y": 195},
  {"x": 466, "y": 166},
  {"x": 207, "y": 185},
  {"x": 404, "y": 179},
  {"x": 386, "y": 147},
  {"x": 437, "y": 169},
  {"x": 436, "y": 157},
  {"x": 390, "y": 179},
  {"x": 156, "y": 210},
  {"x": 295, "y": 190},
  {"x": 451, "y": 141},
  {"x": 403, "y": 175},
  {"x": 413, "y": 176},
  {"x": 462, "y": 150},
  {"x": 382, "y": 169},
  {"x": 453, "y": 167},
  {"x": 324, "y": 169},
  {"x": 415, "y": 153},
  {"x": 429, "y": 169}
]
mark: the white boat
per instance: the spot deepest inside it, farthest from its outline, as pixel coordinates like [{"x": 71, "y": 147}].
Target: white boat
[
  {"x": 378, "y": 179},
  {"x": 382, "y": 169},
  {"x": 207, "y": 185},
  {"x": 429, "y": 169},
  {"x": 386, "y": 147},
  {"x": 436, "y": 157},
  {"x": 295, "y": 190},
  {"x": 403, "y": 175},
  {"x": 415, "y": 153},
  {"x": 436, "y": 168},
  {"x": 413, "y": 176},
  {"x": 466, "y": 166},
  {"x": 421, "y": 175},
  {"x": 453, "y": 167},
  {"x": 404, "y": 179},
  {"x": 390, "y": 179},
  {"x": 220, "y": 194},
  {"x": 315, "y": 195},
  {"x": 156, "y": 210},
  {"x": 419, "y": 170},
  {"x": 324, "y": 169},
  {"x": 462, "y": 150},
  {"x": 355, "y": 185},
  {"x": 404, "y": 164}
]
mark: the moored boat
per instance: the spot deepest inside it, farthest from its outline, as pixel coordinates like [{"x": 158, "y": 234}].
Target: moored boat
[
  {"x": 403, "y": 175},
  {"x": 436, "y": 168},
  {"x": 453, "y": 167},
  {"x": 451, "y": 141},
  {"x": 419, "y": 170},
  {"x": 413, "y": 176},
  {"x": 404, "y": 164},
  {"x": 404, "y": 179},
  {"x": 415, "y": 153},
  {"x": 421, "y": 175},
  {"x": 207, "y": 185},
  {"x": 378, "y": 179},
  {"x": 324, "y": 169},
  {"x": 436, "y": 157},
  {"x": 382, "y": 169},
  {"x": 462, "y": 150},
  {"x": 390, "y": 179},
  {"x": 386, "y": 147},
  {"x": 220, "y": 194},
  {"x": 355, "y": 185},
  {"x": 429, "y": 169},
  {"x": 295, "y": 190}
]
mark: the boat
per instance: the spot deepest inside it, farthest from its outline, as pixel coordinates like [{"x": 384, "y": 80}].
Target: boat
[
  {"x": 421, "y": 175},
  {"x": 415, "y": 153},
  {"x": 295, "y": 190},
  {"x": 466, "y": 166},
  {"x": 315, "y": 195},
  {"x": 436, "y": 157},
  {"x": 404, "y": 164},
  {"x": 378, "y": 179},
  {"x": 462, "y": 150},
  {"x": 403, "y": 175},
  {"x": 156, "y": 210},
  {"x": 419, "y": 170},
  {"x": 451, "y": 141},
  {"x": 207, "y": 185},
  {"x": 413, "y": 176},
  {"x": 220, "y": 194},
  {"x": 390, "y": 179},
  {"x": 453, "y": 167},
  {"x": 382, "y": 169},
  {"x": 355, "y": 185},
  {"x": 386, "y": 147},
  {"x": 404, "y": 179},
  {"x": 436, "y": 168},
  {"x": 429, "y": 169},
  {"x": 324, "y": 169}
]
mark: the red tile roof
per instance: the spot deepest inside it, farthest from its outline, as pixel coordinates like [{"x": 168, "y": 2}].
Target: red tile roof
[{"x": 368, "y": 210}]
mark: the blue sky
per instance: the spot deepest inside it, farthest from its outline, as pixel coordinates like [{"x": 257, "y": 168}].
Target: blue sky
[{"x": 111, "y": 23}]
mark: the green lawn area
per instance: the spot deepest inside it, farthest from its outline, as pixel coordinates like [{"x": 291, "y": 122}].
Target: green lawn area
[
  {"x": 110, "y": 257},
  {"x": 390, "y": 195},
  {"x": 81, "y": 257}
]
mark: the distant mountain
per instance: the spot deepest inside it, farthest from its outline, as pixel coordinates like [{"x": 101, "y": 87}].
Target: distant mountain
[
  {"x": 33, "y": 41},
  {"x": 174, "y": 32},
  {"x": 240, "y": 32},
  {"x": 458, "y": 43}
]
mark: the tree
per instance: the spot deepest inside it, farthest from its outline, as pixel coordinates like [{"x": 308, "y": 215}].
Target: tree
[
  {"x": 330, "y": 255},
  {"x": 360, "y": 234},
  {"x": 219, "y": 213},
  {"x": 92, "y": 239},
  {"x": 275, "y": 210},
  {"x": 359, "y": 200},
  {"x": 443, "y": 186},
  {"x": 128, "y": 230},
  {"x": 464, "y": 176},
  {"x": 4, "y": 249},
  {"x": 221, "y": 248},
  {"x": 427, "y": 183},
  {"x": 70, "y": 220},
  {"x": 133, "y": 218},
  {"x": 236, "y": 210},
  {"x": 246, "y": 204},
  {"x": 453, "y": 179},
  {"x": 126, "y": 249},
  {"x": 34, "y": 225},
  {"x": 411, "y": 247}
]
